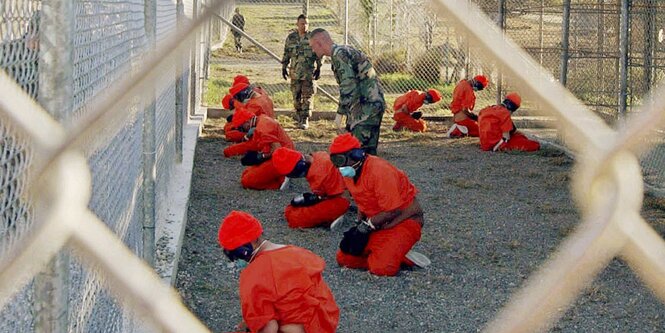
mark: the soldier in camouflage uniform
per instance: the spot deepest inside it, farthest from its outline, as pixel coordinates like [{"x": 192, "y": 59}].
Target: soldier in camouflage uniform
[
  {"x": 239, "y": 21},
  {"x": 299, "y": 54},
  {"x": 360, "y": 92}
]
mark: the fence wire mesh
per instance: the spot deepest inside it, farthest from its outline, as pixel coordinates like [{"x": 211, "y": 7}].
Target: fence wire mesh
[
  {"x": 412, "y": 47},
  {"x": 19, "y": 57},
  {"x": 16, "y": 219}
]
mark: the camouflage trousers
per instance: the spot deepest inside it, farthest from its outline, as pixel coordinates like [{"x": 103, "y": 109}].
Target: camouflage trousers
[
  {"x": 237, "y": 38},
  {"x": 368, "y": 135},
  {"x": 302, "y": 91}
]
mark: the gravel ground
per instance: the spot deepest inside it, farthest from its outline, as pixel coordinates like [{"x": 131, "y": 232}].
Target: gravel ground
[{"x": 491, "y": 220}]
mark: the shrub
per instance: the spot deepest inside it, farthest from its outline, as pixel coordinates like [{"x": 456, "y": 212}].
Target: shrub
[
  {"x": 428, "y": 66},
  {"x": 390, "y": 62}
]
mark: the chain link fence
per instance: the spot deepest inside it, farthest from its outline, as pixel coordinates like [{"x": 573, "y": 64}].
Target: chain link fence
[
  {"x": 579, "y": 42},
  {"x": 96, "y": 45}
]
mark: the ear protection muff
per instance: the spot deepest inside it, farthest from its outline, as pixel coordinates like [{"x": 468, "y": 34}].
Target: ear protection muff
[
  {"x": 243, "y": 252},
  {"x": 357, "y": 154},
  {"x": 300, "y": 170},
  {"x": 243, "y": 94},
  {"x": 509, "y": 105}
]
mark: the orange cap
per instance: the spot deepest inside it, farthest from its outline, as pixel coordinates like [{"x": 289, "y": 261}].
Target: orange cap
[
  {"x": 226, "y": 101},
  {"x": 482, "y": 79},
  {"x": 238, "y": 228},
  {"x": 240, "y": 79},
  {"x": 241, "y": 116},
  {"x": 285, "y": 159},
  {"x": 515, "y": 98},
  {"x": 238, "y": 88},
  {"x": 436, "y": 95},
  {"x": 343, "y": 143}
]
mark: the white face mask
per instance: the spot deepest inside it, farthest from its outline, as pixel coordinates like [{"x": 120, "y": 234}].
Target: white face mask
[{"x": 347, "y": 171}]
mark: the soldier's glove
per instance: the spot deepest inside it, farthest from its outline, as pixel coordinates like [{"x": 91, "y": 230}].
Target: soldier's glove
[
  {"x": 252, "y": 158},
  {"x": 306, "y": 199},
  {"x": 317, "y": 73},
  {"x": 285, "y": 73},
  {"x": 417, "y": 115},
  {"x": 473, "y": 116}
]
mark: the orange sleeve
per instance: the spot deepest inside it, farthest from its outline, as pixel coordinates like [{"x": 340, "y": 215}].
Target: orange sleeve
[
  {"x": 258, "y": 295},
  {"x": 389, "y": 187},
  {"x": 416, "y": 100},
  {"x": 463, "y": 97},
  {"x": 265, "y": 134},
  {"x": 506, "y": 121},
  {"x": 404, "y": 99},
  {"x": 323, "y": 177}
]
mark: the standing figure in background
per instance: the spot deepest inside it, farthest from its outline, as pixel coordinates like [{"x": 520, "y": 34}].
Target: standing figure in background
[
  {"x": 239, "y": 21},
  {"x": 301, "y": 58},
  {"x": 464, "y": 100},
  {"x": 360, "y": 92}
]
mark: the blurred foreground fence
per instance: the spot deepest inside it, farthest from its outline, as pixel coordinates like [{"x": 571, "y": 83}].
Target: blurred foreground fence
[{"x": 103, "y": 138}]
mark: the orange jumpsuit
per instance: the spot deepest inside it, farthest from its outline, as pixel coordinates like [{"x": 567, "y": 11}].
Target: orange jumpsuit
[
  {"x": 260, "y": 104},
  {"x": 263, "y": 176},
  {"x": 493, "y": 121},
  {"x": 325, "y": 180},
  {"x": 286, "y": 285},
  {"x": 413, "y": 100},
  {"x": 232, "y": 134},
  {"x": 382, "y": 187},
  {"x": 463, "y": 98}
]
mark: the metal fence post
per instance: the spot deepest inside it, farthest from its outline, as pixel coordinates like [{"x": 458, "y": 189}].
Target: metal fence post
[
  {"x": 565, "y": 34},
  {"x": 179, "y": 86},
  {"x": 193, "y": 70},
  {"x": 56, "y": 29},
  {"x": 541, "y": 31},
  {"x": 649, "y": 32},
  {"x": 149, "y": 150},
  {"x": 623, "y": 56},
  {"x": 346, "y": 22},
  {"x": 502, "y": 26}
]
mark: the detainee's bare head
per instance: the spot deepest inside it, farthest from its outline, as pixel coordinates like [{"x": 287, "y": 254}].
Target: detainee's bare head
[{"x": 320, "y": 42}]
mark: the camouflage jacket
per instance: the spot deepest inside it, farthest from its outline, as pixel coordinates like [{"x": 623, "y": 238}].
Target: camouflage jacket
[
  {"x": 239, "y": 21},
  {"x": 298, "y": 52},
  {"x": 360, "y": 92}
]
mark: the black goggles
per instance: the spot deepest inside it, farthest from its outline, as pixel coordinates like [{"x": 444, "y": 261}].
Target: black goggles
[
  {"x": 354, "y": 155},
  {"x": 339, "y": 160},
  {"x": 243, "y": 252}
]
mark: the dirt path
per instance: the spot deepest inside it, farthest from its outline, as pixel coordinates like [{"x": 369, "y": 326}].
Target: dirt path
[{"x": 491, "y": 220}]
